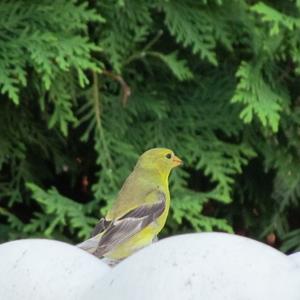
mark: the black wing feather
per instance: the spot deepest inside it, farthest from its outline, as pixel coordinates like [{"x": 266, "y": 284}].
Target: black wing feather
[
  {"x": 101, "y": 226},
  {"x": 128, "y": 225}
]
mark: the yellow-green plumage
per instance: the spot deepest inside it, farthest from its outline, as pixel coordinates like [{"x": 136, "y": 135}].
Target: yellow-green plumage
[
  {"x": 133, "y": 195},
  {"x": 141, "y": 189}
]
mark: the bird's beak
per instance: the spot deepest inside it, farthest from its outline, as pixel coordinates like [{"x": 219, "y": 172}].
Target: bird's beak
[{"x": 177, "y": 160}]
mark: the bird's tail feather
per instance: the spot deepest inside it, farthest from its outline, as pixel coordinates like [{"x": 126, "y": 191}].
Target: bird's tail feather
[{"x": 89, "y": 245}]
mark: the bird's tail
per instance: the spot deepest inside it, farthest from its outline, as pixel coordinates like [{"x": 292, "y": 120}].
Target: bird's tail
[{"x": 90, "y": 245}]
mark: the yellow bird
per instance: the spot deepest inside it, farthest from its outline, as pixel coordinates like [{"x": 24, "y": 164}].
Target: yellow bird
[{"x": 140, "y": 210}]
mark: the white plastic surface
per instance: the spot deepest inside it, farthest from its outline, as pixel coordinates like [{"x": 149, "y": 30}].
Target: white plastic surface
[
  {"x": 205, "y": 266},
  {"x": 296, "y": 258},
  {"x": 37, "y": 269}
]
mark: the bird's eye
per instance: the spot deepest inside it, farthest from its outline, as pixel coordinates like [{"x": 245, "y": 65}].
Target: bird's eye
[{"x": 168, "y": 156}]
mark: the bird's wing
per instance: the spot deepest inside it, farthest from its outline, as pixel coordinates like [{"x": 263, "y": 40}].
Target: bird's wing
[
  {"x": 91, "y": 244},
  {"x": 120, "y": 230},
  {"x": 100, "y": 227}
]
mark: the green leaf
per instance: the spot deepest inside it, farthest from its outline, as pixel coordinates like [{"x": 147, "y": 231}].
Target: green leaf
[
  {"x": 275, "y": 18},
  {"x": 191, "y": 28},
  {"x": 258, "y": 97},
  {"x": 178, "y": 67},
  {"x": 64, "y": 211}
]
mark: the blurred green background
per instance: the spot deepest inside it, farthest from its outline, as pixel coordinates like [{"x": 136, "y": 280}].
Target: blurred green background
[{"x": 87, "y": 86}]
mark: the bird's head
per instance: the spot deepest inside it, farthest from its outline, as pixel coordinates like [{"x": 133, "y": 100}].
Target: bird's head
[{"x": 160, "y": 159}]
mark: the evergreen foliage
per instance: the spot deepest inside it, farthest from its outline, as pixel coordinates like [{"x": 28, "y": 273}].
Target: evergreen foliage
[{"x": 87, "y": 86}]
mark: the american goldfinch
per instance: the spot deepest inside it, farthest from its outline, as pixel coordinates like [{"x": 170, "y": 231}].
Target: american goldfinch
[{"x": 140, "y": 210}]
